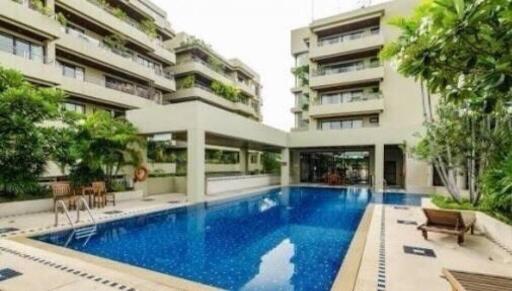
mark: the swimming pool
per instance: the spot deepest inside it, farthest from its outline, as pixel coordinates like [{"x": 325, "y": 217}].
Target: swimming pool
[{"x": 292, "y": 238}]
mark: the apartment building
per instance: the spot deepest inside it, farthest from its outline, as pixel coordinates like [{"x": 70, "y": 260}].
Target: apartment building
[
  {"x": 118, "y": 56},
  {"x": 203, "y": 74},
  {"x": 355, "y": 116},
  {"x": 106, "y": 55}
]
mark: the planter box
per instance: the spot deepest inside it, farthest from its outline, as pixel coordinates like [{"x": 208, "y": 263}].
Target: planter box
[
  {"x": 41, "y": 205},
  {"x": 163, "y": 185},
  {"x": 495, "y": 229}
]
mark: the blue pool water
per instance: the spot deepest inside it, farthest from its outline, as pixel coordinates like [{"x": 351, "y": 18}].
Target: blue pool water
[{"x": 292, "y": 238}]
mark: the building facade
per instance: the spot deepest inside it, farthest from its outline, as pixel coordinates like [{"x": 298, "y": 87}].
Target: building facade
[
  {"x": 117, "y": 56},
  {"x": 355, "y": 116}
]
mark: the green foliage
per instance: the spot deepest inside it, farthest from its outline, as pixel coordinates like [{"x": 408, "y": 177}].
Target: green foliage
[
  {"x": 271, "y": 163},
  {"x": 117, "y": 43},
  {"x": 302, "y": 73},
  {"x": 187, "y": 82},
  {"x": 39, "y": 6},
  {"x": 149, "y": 27},
  {"x": 497, "y": 182},
  {"x": 229, "y": 92},
  {"x": 61, "y": 19},
  {"x": 23, "y": 141},
  {"x": 119, "y": 13},
  {"x": 460, "y": 51},
  {"x": 97, "y": 146},
  {"x": 448, "y": 203},
  {"x": 459, "y": 48},
  {"x": 221, "y": 157},
  {"x": 215, "y": 64}
]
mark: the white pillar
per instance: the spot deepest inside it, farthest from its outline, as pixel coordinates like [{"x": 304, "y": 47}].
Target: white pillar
[
  {"x": 195, "y": 165},
  {"x": 285, "y": 167},
  {"x": 379, "y": 167},
  {"x": 244, "y": 160}
]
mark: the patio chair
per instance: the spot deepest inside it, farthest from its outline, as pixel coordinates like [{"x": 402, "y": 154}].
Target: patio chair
[
  {"x": 466, "y": 281},
  {"x": 101, "y": 196},
  {"x": 448, "y": 222},
  {"x": 62, "y": 192}
]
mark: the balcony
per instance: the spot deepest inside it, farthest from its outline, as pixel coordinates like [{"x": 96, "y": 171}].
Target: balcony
[
  {"x": 366, "y": 104},
  {"x": 329, "y": 77},
  {"x": 123, "y": 60},
  {"x": 37, "y": 68},
  {"x": 204, "y": 68},
  {"x": 35, "y": 21},
  {"x": 127, "y": 28},
  {"x": 207, "y": 95},
  {"x": 347, "y": 44},
  {"x": 98, "y": 91}
]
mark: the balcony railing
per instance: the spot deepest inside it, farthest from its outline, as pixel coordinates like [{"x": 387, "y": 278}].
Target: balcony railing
[
  {"x": 347, "y": 98},
  {"x": 125, "y": 53},
  {"x": 359, "y": 66},
  {"x": 132, "y": 89},
  {"x": 195, "y": 59},
  {"x": 250, "y": 103},
  {"x": 348, "y": 36}
]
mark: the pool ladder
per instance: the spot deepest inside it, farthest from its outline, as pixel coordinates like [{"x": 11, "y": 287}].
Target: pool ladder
[{"x": 78, "y": 233}]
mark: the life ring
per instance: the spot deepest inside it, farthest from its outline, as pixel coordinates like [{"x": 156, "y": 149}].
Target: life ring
[{"x": 140, "y": 174}]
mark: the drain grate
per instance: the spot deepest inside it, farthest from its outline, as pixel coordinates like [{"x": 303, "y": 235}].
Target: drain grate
[
  {"x": 148, "y": 199},
  {"x": 407, "y": 222},
  {"x": 6, "y": 274},
  {"x": 113, "y": 212},
  {"x": 173, "y": 202},
  {"x": 419, "y": 251},
  {"x": 401, "y": 207},
  {"x": 8, "y": 229}
]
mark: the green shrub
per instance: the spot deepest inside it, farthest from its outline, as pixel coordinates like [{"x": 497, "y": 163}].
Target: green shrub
[
  {"x": 497, "y": 186},
  {"x": 149, "y": 27}
]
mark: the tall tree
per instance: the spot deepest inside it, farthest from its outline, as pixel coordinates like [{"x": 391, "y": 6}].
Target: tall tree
[
  {"x": 23, "y": 138},
  {"x": 459, "y": 51}
]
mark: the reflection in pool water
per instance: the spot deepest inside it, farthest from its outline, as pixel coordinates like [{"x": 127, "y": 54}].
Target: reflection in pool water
[{"x": 292, "y": 238}]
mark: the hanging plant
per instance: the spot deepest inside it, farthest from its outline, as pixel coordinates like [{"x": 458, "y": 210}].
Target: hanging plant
[
  {"x": 149, "y": 27},
  {"x": 61, "y": 19}
]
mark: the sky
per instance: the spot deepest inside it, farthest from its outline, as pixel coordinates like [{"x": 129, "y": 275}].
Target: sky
[{"x": 258, "y": 33}]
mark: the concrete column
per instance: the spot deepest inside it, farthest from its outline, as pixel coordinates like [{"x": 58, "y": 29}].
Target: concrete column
[
  {"x": 50, "y": 4},
  {"x": 285, "y": 167},
  {"x": 195, "y": 165},
  {"x": 50, "y": 52},
  {"x": 378, "y": 176},
  {"x": 244, "y": 160}
]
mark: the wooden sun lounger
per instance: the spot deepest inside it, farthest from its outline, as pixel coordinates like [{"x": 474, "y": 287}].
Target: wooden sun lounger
[
  {"x": 465, "y": 281},
  {"x": 448, "y": 222}
]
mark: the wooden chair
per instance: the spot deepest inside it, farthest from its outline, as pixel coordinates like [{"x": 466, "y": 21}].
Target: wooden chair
[
  {"x": 62, "y": 192},
  {"x": 101, "y": 195},
  {"x": 466, "y": 281},
  {"x": 448, "y": 222}
]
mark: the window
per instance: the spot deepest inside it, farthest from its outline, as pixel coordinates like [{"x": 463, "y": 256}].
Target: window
[
  {"x": 119, "y": 85},
  {"x": 374, "y": 120},
  {"x": 341, "y": 124},
  {"x": 74, "y": 107},
  {"x": 21, "y": 47},
  {"x": 72, "y": 71},
  {"x": 254, "y": 158},
  {"x": 6, "y": 43}
]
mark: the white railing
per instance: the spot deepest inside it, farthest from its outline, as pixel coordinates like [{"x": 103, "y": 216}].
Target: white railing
[{"x": 348, "y": 36}]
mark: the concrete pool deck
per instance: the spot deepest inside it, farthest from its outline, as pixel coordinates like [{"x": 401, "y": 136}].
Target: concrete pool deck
[{"x": 384, "y": 264}]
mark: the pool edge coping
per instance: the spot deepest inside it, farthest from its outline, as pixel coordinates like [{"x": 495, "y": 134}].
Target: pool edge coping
[
  {"x": 166, "y": 280},
  {"x": 347, "y": 275}
]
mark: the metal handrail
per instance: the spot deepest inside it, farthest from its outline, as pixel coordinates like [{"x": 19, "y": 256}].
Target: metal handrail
[
  {"x": 82, "y": 202},
  {"x": 60, "y": 204}
]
